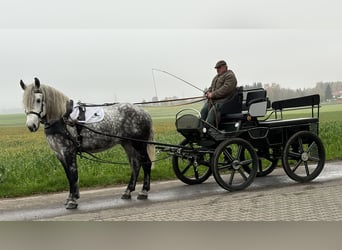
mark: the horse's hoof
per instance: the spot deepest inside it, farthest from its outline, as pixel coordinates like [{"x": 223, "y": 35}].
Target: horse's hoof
[
  {"x": 142, "y": 195},
  {"x": 71, "y": 204},
  {"x": 126, "y": 196}
]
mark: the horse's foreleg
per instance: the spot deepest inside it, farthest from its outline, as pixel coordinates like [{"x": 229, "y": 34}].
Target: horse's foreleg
[{"x": 68, "y": 161}]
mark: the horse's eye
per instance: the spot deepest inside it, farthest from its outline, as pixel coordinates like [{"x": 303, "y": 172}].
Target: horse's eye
[{"x": 38, "y": 100}]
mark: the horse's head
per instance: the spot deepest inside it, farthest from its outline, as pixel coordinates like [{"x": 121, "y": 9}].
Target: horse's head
[{"x": 34, "y": 104}]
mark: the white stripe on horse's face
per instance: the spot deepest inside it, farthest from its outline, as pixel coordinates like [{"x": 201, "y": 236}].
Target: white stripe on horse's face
[{"x": 32, "y": 118}]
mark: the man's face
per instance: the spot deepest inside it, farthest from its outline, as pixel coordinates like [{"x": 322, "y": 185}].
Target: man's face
[{"x": 221, "y": 69}]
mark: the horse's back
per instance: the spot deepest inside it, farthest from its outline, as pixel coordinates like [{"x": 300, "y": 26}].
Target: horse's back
[{"x": 125, "y": 119}]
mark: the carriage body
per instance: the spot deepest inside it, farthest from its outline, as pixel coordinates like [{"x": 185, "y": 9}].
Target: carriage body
[{"x": 252, "y": 139}]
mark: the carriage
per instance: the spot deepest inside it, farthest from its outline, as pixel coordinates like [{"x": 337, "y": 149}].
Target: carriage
[{"x": 252, "y": 138}]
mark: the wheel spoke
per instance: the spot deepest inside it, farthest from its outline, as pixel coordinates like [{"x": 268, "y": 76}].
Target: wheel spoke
[
  {"x": 297, "y": 165},
  {"x": 242, "y": 174},
  {"x": 246, "y": 162},
  {"x": 300, "y": 145},
  {"x": 238, "y": 154},
  {"x": 306, "y": 168},
  {"x": 311, "y": 158},
  {"x": 196, "y": 173},
  {"x": 223, "y": 167},
  {"x": 294, "y": 155},
  {"x": 228, "y": 154},
  {"x": 231, "y": 178},
  {"x": 311, "y": 146},
  {"x": 186, "y": 168}
]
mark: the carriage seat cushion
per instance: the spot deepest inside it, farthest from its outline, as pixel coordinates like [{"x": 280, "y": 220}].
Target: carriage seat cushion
[{"x": 86, "y": 114}]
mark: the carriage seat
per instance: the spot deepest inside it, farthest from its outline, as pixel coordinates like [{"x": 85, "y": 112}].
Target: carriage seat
[
  {"x": 255, "y": 104},
  {"x": 310, "y": 101},
  {"x": 233, "y": 108}
]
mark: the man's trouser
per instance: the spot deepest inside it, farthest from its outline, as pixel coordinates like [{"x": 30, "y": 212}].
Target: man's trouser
[{"x": 211, "y": 113}]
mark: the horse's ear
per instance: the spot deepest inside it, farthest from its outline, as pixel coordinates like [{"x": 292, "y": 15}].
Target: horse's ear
[
  {"x": 22, "y": 84},
  {"x": 36, "y": 82}
]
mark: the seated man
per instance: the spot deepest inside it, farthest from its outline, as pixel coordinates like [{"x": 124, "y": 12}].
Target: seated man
[{"x": 222, "y": 88}]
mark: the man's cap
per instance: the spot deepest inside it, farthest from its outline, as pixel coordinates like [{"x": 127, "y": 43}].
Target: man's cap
[{"x": 220, "y": 63}]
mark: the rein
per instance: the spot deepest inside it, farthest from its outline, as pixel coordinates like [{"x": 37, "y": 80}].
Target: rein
[
  {"x": 94, "y": 158},
  {"x": 200, "y": 98}
]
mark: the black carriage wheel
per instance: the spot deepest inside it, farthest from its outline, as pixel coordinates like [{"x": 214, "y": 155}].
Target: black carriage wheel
[
  {"x": 266, "y": 165},
  {"x": 231, "y": 159},
  {"x": 304, "y": 156},
  {"x": 192, "y": 168}
]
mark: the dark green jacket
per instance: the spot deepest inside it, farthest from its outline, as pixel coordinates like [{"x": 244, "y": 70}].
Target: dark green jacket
[{"x": 223, "y": 86}]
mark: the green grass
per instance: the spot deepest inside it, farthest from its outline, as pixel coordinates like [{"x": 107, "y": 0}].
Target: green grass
[
  {"x": 12, "y": 120},
  {"x": 28, "y": 165}
]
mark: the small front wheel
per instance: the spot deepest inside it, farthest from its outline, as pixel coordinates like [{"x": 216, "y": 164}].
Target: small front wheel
[
  {"x": 192, "y": 166},
  {"x": 235, "y": 164},
  {"x": 304, "y": 156}
]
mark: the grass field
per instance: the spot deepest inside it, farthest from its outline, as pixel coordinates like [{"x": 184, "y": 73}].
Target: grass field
[{"x": 28, "y": 166}]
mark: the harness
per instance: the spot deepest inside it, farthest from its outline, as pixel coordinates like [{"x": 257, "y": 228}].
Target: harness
[{"x": 60, "y": 127}]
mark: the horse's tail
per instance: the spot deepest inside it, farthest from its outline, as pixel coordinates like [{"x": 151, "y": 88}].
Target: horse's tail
[{"x": 151, "y": 151}]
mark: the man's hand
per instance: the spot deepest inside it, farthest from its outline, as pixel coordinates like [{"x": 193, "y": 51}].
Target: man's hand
[{"x": 209, "y": 95}]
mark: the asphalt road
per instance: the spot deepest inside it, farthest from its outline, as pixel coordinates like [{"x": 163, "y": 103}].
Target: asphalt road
[{"x": 272, "y": 198}]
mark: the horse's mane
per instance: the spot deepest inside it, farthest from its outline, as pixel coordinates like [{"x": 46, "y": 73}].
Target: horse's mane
[{"x": 55, "y": 101}]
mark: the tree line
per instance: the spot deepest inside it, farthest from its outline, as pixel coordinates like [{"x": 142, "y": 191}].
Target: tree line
[{"x": 328, "y": 91}]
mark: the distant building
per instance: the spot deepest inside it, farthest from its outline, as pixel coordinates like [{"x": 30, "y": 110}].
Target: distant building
[{"x": 337, "y": 94}]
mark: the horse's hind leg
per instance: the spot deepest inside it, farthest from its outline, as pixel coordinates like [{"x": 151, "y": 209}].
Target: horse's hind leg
[
  {"x": 138, "y": 156},
  {"x": 143, "y": 194},
  {"x": 135, "y": 168},
  {"x": 146, "y": 165}
]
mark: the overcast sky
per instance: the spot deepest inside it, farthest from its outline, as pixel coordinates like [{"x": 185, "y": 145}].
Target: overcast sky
[{"x": 104, "y": 51}]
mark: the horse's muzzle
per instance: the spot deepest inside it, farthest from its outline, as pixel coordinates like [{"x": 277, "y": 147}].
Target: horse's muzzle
[{"x": 32, "y": 127}]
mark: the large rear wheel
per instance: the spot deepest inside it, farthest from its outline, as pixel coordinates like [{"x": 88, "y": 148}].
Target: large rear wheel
[{"x": 304, "y": 156}]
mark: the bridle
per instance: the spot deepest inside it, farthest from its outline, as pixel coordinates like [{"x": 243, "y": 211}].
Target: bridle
[{"x": 41, "y": 113}]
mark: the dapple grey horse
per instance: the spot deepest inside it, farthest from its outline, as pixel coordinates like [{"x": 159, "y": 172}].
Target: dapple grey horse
[{"x": 123, "y": 123}]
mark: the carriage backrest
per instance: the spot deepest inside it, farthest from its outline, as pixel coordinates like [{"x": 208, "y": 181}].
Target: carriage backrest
[
  {"x": 234, "y": 105},
  {"x": 310, "y": 101}
]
